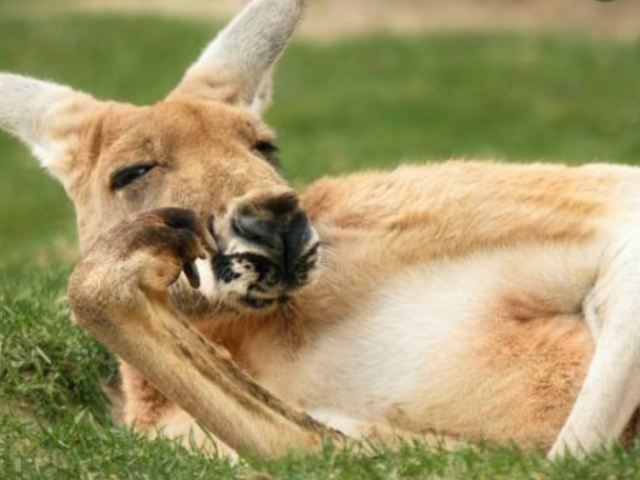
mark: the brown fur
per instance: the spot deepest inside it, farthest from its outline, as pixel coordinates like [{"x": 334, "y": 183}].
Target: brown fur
[
  {"x": 246, "y": 374},
  {"x": 412, "y": 216}
]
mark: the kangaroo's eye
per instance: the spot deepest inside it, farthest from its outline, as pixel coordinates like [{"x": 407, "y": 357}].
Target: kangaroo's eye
[
  {"x": 128, "y": 175},
  {"x": 269, "y": 151}
]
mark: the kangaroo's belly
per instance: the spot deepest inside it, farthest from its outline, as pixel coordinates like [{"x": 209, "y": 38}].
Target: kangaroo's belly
[{"x": 491, "y": 345}]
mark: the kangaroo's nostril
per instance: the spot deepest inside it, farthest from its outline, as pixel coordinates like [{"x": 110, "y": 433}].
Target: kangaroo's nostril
[
  {"x": 284, "y": 236},
  {"x": 296, "y": 236},
  {"x": 260, "y": 231}
]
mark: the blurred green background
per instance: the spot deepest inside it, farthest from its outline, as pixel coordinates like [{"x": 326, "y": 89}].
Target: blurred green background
[
  {"x": 394, "y": 82},
  {"x": 341, "y": 105}
]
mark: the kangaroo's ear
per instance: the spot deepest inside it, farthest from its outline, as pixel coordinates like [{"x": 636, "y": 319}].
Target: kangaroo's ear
[
  {"x": 236, "y": 67},
  {"x": 47, "y": 117}
]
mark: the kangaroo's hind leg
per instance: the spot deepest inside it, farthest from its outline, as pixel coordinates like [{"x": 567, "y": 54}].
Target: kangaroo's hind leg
[{"x": 611, "y": 391}]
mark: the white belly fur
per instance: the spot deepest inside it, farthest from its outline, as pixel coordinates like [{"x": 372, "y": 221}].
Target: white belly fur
[{"x": 411, "y": 350}]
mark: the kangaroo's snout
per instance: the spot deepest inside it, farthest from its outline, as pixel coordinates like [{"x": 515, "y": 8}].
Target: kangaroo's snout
[{"x": 277, "y": 225}]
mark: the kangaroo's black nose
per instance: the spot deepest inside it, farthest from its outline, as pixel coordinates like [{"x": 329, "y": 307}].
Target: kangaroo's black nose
[{"x": 282, "y": 229}]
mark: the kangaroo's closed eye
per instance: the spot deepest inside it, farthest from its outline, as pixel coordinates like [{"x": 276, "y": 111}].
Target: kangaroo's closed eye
[
  {"x": 127, "y": 176},
  {"x": 269, "y": 151}
]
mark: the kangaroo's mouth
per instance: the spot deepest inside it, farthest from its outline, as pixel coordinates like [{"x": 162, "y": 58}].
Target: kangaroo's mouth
[
  {"x": 257, "y": 280},
  {"x": 245, "y": 281}
]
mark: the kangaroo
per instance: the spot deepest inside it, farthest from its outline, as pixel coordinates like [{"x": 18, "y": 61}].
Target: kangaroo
[{"x": 450, "y": 301}]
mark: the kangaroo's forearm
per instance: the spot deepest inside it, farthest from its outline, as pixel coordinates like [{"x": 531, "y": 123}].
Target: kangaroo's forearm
[{"x": 205, "y": 382}]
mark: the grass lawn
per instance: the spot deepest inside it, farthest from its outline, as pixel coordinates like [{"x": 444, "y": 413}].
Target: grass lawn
[{"x": 367, "y": 103}]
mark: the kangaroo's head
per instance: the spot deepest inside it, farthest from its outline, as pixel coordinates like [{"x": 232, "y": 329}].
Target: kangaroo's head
[{"x": 203, "y": 148}]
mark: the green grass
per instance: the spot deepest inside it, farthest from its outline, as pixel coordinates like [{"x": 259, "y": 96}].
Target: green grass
[{"x": 365, "y": 103}]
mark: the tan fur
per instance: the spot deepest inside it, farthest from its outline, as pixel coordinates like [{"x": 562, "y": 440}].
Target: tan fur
[
  {"x": 444, "y": 299},
  {"x": 532, "y": 357}
]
